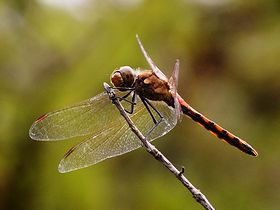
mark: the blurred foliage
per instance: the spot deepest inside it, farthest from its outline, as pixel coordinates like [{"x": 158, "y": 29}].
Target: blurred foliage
[{"x": 53, "y": 55}]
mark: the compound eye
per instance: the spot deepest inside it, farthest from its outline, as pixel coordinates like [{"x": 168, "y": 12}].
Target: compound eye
[
  {"x": 123, "y": 77},
  {"x": 128, "y": 76}
]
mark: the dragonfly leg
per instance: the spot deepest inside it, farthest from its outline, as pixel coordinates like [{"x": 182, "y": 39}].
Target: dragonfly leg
[
  {"x": 132, "y": 102},
  {"x": 153, "y": 128},
  {"x": 125, "y": 96},
  {"x": 148, "y": 104},
  {"x": 123, "y": 88},
  {"x": 148, "y": 109}
]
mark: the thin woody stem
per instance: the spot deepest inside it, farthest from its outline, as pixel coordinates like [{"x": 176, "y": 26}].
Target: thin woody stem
[{"x": 199, "y": 197}]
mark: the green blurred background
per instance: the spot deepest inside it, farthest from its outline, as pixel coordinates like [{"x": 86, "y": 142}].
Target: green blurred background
[{"x": 56, "y": 53}]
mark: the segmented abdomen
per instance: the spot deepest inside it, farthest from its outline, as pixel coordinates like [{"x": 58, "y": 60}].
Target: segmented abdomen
[{"x": 216, "y": 129}]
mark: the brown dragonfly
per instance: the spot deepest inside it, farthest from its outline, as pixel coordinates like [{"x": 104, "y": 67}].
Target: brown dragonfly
[{"x": 105, "y": 132}]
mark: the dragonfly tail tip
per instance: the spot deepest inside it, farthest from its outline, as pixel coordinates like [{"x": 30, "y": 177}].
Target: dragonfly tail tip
[{"x": 255, "y": 153}]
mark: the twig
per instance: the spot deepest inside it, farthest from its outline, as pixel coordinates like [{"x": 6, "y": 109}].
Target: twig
[{"x": 199, "y": 197}]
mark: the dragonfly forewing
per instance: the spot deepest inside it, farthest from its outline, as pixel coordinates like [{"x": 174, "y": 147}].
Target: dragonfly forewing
[{"x": 81, "y": 119}]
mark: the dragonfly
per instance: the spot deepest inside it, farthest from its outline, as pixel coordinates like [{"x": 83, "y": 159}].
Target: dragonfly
[{"x": 151, "y": 101}]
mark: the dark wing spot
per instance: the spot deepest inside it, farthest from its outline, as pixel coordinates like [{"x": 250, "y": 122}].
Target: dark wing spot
[
  {"x": 41, "y": 118},
  {"x": 69, "y": 152}
]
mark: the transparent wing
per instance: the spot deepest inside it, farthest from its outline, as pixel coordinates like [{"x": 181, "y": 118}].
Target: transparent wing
[
  {"x": 173, "y": 81},
  {"x": 152, "y": 64},
  {"x": 116, "y": 137},
  {"x": 81, "y": 119}
]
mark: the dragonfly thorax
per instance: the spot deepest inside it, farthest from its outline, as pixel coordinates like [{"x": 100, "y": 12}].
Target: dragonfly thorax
[
  {"x": 123, "y": 77},
  {"x": 150, "y": 86}
]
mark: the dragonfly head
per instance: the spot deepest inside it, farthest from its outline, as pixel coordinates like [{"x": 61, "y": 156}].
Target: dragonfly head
[{"x": 123, "y": 77}]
